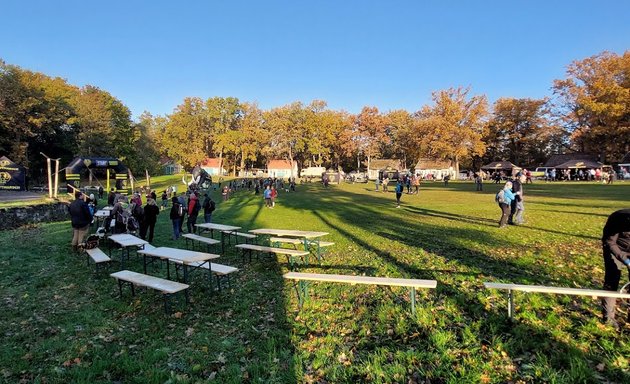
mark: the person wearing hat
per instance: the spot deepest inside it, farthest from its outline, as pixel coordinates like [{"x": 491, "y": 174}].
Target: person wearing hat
[
  {"x": 517, "y": 208},
  {"x": 80, "y": 218}
]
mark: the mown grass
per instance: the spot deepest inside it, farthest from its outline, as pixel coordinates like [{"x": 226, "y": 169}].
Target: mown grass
[{"x": 63, "y": 323}]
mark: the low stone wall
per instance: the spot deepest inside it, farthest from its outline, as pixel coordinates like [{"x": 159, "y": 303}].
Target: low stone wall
[{"x": 15, "y": 217}]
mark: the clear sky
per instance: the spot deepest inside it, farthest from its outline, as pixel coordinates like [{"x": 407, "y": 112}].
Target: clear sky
[{"x": 389, "y": 54}]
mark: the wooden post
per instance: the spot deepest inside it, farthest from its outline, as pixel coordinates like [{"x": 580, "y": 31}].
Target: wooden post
[
  {"x": 50, "y": 186},
  {"x": 56, "y": 177},
  {"x": 108, "y": 180}
]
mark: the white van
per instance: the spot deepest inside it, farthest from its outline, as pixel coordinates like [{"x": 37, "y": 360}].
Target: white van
[{"x": 312, "y": 171}]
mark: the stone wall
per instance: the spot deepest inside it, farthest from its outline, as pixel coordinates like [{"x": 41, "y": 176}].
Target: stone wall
[{"x": 11, "y": 218}]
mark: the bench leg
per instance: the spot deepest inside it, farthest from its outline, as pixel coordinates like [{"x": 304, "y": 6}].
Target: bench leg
[
  {"x": 133, "y": 289},
  {"x": 510, "y": 304},
  {"x": 413, "y": 300},
  {"x": 166, "y": 306},
  {"x": 120, "y": 288},
  {"x": 302, "y": 292}
]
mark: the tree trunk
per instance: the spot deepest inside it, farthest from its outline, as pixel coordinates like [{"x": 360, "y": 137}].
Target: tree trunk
[{"x": 220, "y": 164}]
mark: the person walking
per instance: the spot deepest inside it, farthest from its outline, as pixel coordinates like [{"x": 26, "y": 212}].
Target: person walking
[
  {"x": 399, "y": 192},
  {"x": 504, "y": 198},
  {"x": 274, "y": 194},
  {"x": 416, "y": 184},
  {"x": 80, "y": 218},
  {"x": 177, "y": 211},
  {"x": 478, "y": 182},
  {"x": 267, "y": 196},
  {"x": 517, "y": 190},
  {"x": 208, "y": 207},
  {"x": 385, "y": 182},
  {"x": 151, "y": 212},
  {"x": 616, "y": 252},
  {"x": 193, "y": 212}
]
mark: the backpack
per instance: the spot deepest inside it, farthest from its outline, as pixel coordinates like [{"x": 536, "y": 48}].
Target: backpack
[{"x": 500, "y": 197}]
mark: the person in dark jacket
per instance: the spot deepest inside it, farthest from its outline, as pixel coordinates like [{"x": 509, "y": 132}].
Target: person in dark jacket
[
  {"x": 616, "y": 250},
  {"x": 111, "y": 198},
  {"x": 209, "y": 207},
  {"x": 176, "y": 218},
  {"x": 151, "y": 211},
  {"x": 100, "y": 192},
  {"x": 517, "y": 190},
  {"x": 81, "y": 218},
  {"x": 193, "y": 212}
]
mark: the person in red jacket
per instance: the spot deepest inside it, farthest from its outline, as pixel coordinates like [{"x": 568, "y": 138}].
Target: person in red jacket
[{"x": 193, "y": 211}]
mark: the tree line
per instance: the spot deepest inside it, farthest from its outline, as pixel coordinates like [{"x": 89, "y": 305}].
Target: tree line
[{"x": 588, "y": 111}]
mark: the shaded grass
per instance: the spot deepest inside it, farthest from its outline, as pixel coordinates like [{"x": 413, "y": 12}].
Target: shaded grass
[{"x": 58, "y": 311}]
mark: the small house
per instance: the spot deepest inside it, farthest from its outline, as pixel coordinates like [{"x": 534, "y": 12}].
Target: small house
[
  {"x": 378, "y": 167},
  {"x": 282, "y": 169},
  {"x": 170, "y": 167},
  {"x": 437, "y": 168},
  {"x": 213, "y": 166}
]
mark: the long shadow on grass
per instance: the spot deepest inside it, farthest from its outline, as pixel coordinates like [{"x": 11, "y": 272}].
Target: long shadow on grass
[{"x": 444, "y": 242}]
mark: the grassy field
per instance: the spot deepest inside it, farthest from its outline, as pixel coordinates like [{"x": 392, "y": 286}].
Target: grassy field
[{"x": 63, "y": 323}]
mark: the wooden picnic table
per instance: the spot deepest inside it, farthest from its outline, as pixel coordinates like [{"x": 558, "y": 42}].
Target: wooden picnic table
[
  {"x": 101, "y": 214},
  {"x": 309, "y": 238},
  {"x": 126, "y": 241},
  {"x": 219, "y": 227}
]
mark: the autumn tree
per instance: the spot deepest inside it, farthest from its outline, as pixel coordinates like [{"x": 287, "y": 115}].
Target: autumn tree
[
  {"x": 183, "y": 139},
  {"x": 252, "y": 136},
  {"x": 521, "y": 131},
  {"x": 595, "y": 103},
  {"x": 223, "y": 115},
  {"x": 454, "y": 126},
  {"x": 369, "y": 134},
  {"x": 287, "y": 128},
  {"x": 400, "y": 127}
]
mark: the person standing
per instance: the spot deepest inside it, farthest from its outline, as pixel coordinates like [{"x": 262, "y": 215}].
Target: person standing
[
  {"x": 111, "y": 198},
  {"x": 376, "y": 182},
  {"x": 100, "y": 192},
  {"x": 274, "y": 194},
  {"x": 164, "y": 201},
  {"x": 208, "y": 207},
  {"x": 182, "y": 216},
  {"x": 416, "y": 184},
  {"x": 151, "y": 212},
  {"x": 267, "y": 196},
  {"x": 517, "y": 190},
  {"x": 478, "y": 182},
  {"x": 504, "y": 198},
  {"x": 399, "y": 191},
  {"x": 80, "y": 218},
  {"x": 447, "y": 177},
  {"x": 385, "y": 182},
  {"x": 616, "y": 252},
  {"x": 177, "y": 211},
  {"x": 193, "y": 212}
]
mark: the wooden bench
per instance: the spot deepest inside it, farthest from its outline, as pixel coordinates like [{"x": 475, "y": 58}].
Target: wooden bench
[
  {"x": 247, "y": 236},
  {"x": 167, "y": 287},
  {"x": 555, "y": 290},
  {"x": 303, "y": 278},
  {"x": 201, "y": 239},
  {"x": 221, "y": 271},
  {"x": 278, "y": 241},
  {"x": 291, "y": 254},
  {"x": 98, "y": 256}
]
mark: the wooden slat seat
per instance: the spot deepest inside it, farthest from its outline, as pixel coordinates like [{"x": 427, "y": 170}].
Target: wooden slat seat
[
  {"x": 220, "y": 270},
  {"x": 325, "y": 243},
  {"x": 553, "y": 290},
  {"x": 167, "y": 287},
  {"x": 292, "y": 254},
  {"x": 286, "y": 240},
  {"x": 97, "y": 255},
  {"x": 202, "y": 239},
  {"x": 413, "y": 284}
]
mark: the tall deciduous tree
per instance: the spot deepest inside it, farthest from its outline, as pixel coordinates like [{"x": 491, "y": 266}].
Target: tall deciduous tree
[
  {"x": 184, "y": 138},
  {"x": 287, "y": 127},
  {"x": 454, "y": 126},
  {"x": 369, "y": 133},
  {"x": 521, "y": 131},
  {"x": 595, "y": 99}
]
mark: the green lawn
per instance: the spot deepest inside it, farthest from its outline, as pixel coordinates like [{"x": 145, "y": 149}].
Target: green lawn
[{"x": 63, "y": 323}]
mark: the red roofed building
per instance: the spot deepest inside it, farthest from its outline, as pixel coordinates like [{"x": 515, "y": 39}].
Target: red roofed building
[
  {"x": 282, "y": 168},
  {"x": 211, "y": 165}
]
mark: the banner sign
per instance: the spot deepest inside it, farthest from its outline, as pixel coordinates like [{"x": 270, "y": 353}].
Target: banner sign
[{"x": 12, "y": 176}]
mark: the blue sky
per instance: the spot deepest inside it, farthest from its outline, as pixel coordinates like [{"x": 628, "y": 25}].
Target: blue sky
[{"x": 388, "y": 54}]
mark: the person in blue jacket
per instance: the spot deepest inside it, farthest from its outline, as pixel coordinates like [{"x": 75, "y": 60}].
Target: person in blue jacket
[{"x": 504, "y": 198}]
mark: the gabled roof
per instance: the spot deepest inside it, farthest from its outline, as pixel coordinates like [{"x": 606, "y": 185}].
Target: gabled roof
[
  {"x": 560, "y": 158},
  {"x": 279, "y": 164},
  {"x": 504, "y": 165},
  {"x": 211, "y": 162},
  {"x": 384, "y": 163},
  {"x": 431, "y": 163},
  {"x": 580, "y": 164}
]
